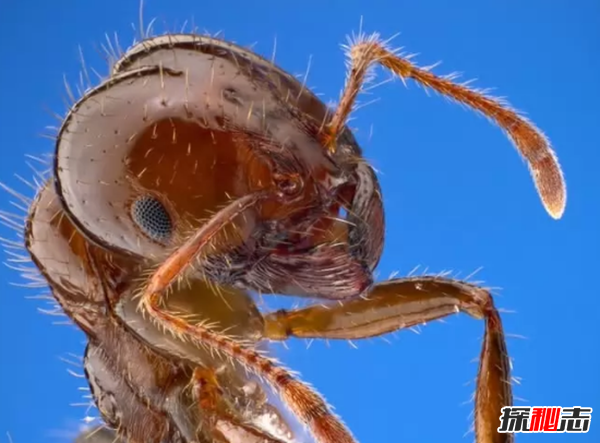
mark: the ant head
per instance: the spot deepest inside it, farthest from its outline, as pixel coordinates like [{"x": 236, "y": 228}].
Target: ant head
[
  {"x": 184, "y": 125},
  {"x": 173, "y": 134}
]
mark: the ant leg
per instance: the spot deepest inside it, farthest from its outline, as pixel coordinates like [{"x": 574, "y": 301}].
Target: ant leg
[
  {"x": 402, "y": 303},
  {"x": 213, "y": 408},
  {"x": 304, "y": 402},
  {"x": 529, "y": 141}
]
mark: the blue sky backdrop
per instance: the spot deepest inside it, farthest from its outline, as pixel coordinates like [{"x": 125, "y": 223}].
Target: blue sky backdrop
[{"x": 457, "y": 195}]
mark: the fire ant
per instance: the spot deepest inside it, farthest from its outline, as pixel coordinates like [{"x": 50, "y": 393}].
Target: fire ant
[{"x": 198, "y": 171}]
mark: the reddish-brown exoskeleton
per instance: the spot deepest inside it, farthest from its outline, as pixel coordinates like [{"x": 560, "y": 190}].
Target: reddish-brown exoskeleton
[{"x": 198, "y": 171}]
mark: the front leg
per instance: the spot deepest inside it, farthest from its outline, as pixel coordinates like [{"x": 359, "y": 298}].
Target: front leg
[
  {"x": 308, "y": 406},
  {"x": 402, "y": 303}
]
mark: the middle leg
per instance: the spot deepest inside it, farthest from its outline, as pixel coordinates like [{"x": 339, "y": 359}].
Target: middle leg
[{"x": 225, "y": 424}]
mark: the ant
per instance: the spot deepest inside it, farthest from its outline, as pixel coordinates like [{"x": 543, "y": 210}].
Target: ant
[{"x": 198, "y": 171}]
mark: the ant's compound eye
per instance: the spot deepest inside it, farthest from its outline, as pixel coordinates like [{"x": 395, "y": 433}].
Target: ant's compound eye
[{"x": 152, "y": 218}]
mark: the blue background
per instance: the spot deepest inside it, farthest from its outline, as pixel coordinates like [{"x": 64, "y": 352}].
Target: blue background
[{"x": 458, "y": 197}]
